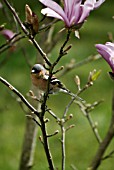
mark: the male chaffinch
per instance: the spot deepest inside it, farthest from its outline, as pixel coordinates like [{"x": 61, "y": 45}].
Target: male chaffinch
[{"x": 39, "y": 77}]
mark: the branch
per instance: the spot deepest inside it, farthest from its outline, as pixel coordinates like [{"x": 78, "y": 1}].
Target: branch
[
  {"x": 105, "y": 143},
  {"x": 26, "y": 161},
  {"x": 43, "y": 127},
  {"x": 62, "y": 51},
  {"x": 68, "y": 106},
  {"x": 110, "y": 155},
  {"x": 27, "y": 33},
  {"x": 94, "y": 127},
  {"x": 10, "y": 40},
  {"x": 52, "y": 114},
  {"x": 10, "y": 44},
  {"x": 46, "y": 143},
  {"x": 72, "y": 66},
  {"x": 63, "y": 146},
  {"x": 19, "y": 95},
  {"x": 92, "y": 124}
]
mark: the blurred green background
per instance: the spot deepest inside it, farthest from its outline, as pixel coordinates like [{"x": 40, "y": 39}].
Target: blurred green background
[{"x": 81, "y": 144}]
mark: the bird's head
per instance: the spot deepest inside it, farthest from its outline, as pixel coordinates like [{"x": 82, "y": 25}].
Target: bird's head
[{"x": 37, "y": 70}]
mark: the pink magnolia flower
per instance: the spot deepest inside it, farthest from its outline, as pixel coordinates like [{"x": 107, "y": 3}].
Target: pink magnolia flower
[
  {"x": 8, "y": 34},
  {"x": 107, "y": 52},
  {"x": 74, "y": 12}
]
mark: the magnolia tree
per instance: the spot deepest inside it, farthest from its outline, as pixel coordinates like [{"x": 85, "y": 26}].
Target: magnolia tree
[{"x": 45, "y": 77}]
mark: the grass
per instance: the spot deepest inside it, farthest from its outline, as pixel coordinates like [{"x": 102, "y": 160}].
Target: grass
[{"x": 81, "y": 144}]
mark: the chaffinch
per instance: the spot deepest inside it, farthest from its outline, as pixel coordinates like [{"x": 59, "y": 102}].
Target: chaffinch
[{"x": 39, "y": 77}]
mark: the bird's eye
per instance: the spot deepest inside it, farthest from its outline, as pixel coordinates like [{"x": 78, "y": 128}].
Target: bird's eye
[{"x": 35, "y": 71}]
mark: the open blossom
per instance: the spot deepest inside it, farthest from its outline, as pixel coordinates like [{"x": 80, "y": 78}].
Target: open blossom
[
  {"x": 107, "y": 52},
  {"x": 74, "y": 12},
  {"x": 8, "y": 34}
]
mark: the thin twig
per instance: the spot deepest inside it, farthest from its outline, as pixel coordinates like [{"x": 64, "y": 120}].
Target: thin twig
[
  {"x": 27, "y": 33},
  {"x": 43, "y": 128},
  {"x": 92, "y": 124},
  {"x": 46, "y": 144},
  {"x": 110, "y": 155},
  {"x": 62, "y": 53},
  {"x": 53, "y": 134},
  {"x": 68, "y": 106},
  {"x": 63, "y": 146},
  {"x": 9, "y": 45},
  {"x": 52, "y": 114},
  {"x": 19, "y": 95},
  {"x": 34, "y": 119},
  {"x": 10, "y": 40},
  {"x": 94, "y": 127},
  {"x": 72, "y": 66}
]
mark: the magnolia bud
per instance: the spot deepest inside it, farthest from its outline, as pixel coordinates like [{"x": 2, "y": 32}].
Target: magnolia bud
[
  {"x": 31, "y": 21},
  {"x": 28, "y": 14},
  {"x": 77, "y": 80},
  {"x": 35, "y": 23}
]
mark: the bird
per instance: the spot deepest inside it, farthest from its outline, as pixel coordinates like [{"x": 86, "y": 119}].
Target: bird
[{"x": 40, "y": 76}]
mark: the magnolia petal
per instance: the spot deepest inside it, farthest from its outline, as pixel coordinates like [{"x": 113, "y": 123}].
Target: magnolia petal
[
  {"x": 86, "y": 8},
  {"x": 68, "y": 7},
  {"x": 56, "y": 8},
  {"x": 71, "y": 9},
  {"x": 106, "y": 56},
  {"x": 77, "y": 34},
  {"x": 98, "y": 3},
  {"x": 8, "y": 34},
  {"x": 53, "y": 6},
  {"x": 103, "y": 50},
  {"x": 49, "y": 12},
  {"x": 84, "y": 14},
  {"x": 103, "y": 47},
  {"x": 106, "y": 53},
  {"x": 111, "y": 65},
  {"x": 72, "y": 21},
  {"x": 89, "y": 4},
  {"x": 77, "y": 12},
  {"x": 110, "y": 45},
  {"x": 74, "y": 12}
]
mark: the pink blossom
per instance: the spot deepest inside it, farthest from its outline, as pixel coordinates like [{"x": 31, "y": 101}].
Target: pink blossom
[
  {"x": 74, "y": 12},
  {"x": 107, "y": 52},
  {"x": 8, "y": 34}
]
